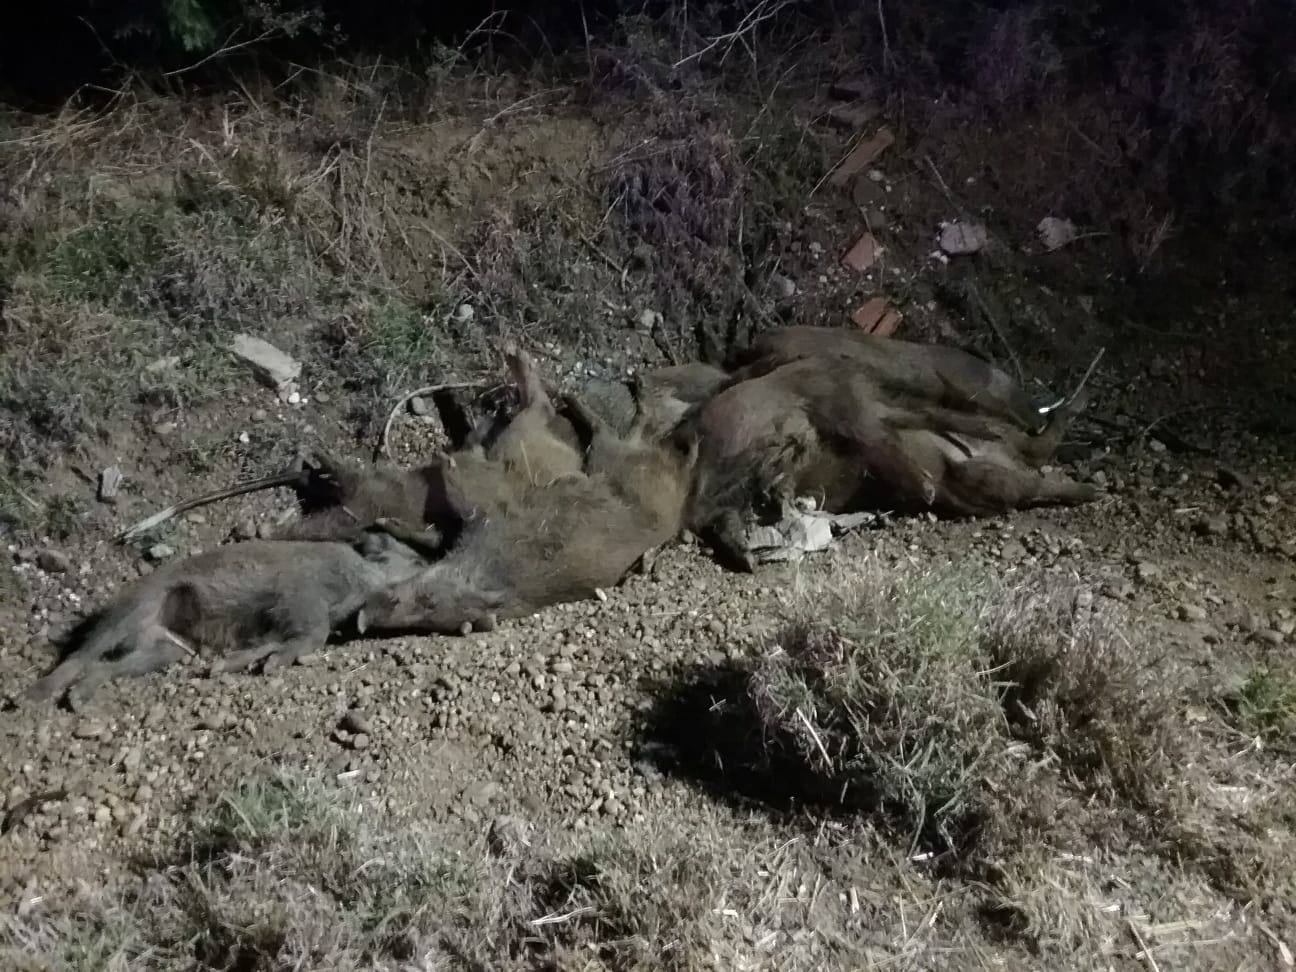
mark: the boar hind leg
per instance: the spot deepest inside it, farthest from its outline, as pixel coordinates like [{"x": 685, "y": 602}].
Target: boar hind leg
[
  {"x": 150, "y": 655},
  {"x": 984, "y": 388},
  {"x": 1054, "y": 489},
  {"x": 523, "y": 372},
  {"x": 53, "y": 685},
  {"x": 593, "y": 434},
  {"x": 425, "y": 543},
  {"x": 984, "y": 485},
  {"x": 587, "y": 422},
  {"x": 271, "y": 654},
  {"x": 296, "y": 627}
]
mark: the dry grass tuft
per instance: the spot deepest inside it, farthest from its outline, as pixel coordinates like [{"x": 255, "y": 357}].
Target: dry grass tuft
[
  {"x": 1075, "y": 687},
  {"x": 960, "y": 708},
  {"x": 880, "y": 686},
  {"x": 282, "y": 873},
  {"x": 1015, "y": 729},
  {"x": 288, "y": 873}
]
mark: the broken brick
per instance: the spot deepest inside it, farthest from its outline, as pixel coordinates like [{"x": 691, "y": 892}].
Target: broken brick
[
  {"x": 878, "y": 317},
  {"x": 889, "y": 324},
  {"x": 863, "y": 254},
  {"x": 869, "y": 313},
  {"x": 862, "y": 156}
]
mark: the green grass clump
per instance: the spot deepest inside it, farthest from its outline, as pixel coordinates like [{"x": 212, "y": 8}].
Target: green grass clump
[{"x": 1266, "y": 702}]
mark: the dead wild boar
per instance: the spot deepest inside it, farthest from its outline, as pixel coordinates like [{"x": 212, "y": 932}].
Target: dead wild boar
[
  {"x": 337, "y": 498},
  {"x": 812, "y": 427},
  {"x": 535, "y": 447},
  {"x": 558, "y": 542},
  {"x": 280, "y": 598},
  {"x": 934, "y": 374}
]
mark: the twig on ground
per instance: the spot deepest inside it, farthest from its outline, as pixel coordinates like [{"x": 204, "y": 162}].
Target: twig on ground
[
  {"x": 522, "y": 104},
  {"x": 554, "y": 919},
  {"x": 888, "y": 59},
  {"x": 815, "y": 736},
  {"x": 381, "y": 449},
  {"x": 942, "y": 184},
  {"x": 602, "y": 254},
  {"x": 1144, "y": 952},
  {"x": 1084, "y": 379},
  {"x": 1169, "y": 438},
  {"x": 851, "y": 146}
]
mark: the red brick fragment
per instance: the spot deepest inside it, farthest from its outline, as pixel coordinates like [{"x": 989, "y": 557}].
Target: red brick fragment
[
  {"x": 878, "y": 317},
  {"x": 863, "y": 254}
]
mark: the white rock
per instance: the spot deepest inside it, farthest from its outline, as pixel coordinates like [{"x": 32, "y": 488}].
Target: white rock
[
  {"x": 783, "y": 286},
  {"x": 272, "y": 366},
  {"x": 1055, "y": 232},
  {"x": 959, "y": 238},
  {"x": 649, "y": 319}
]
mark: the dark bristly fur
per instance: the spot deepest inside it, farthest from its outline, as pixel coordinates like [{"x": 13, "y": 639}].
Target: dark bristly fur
[
  {"x": 280, "y": 598},
  {"x": 555, "y": 541},
  {"x": 869, "y": 424},
  {"x": 941, "y": 376}
]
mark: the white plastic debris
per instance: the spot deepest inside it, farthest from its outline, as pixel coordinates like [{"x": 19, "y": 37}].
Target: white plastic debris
[
  {"x": 801, "y": 530},
  {"x": 1055, "y": 232}
]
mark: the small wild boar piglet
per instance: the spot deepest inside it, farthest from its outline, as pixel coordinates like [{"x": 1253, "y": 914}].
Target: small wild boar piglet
[
  {"x": 279, "y": 598},
  {"x": 534, "y": 447},
  {"x": 559, "y": 542}
]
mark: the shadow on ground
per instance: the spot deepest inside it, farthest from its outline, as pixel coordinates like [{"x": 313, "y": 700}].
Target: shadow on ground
[{"x": 704, "y": 728}]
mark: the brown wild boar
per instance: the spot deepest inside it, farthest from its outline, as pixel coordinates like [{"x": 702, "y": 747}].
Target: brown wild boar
[
  {"x": 558, "y": 542},
  {"x": 811, "y": 426},
  {"x": 280, "y": 598}
]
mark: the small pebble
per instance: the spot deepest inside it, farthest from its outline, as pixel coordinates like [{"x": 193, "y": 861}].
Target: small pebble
[{"x": 160, "y": 551}]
